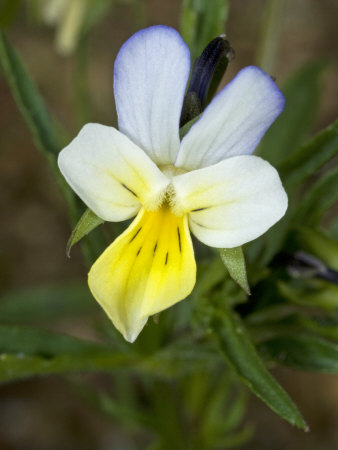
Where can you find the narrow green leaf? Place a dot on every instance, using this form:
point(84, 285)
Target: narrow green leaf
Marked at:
point(270, 327)
point(88, 221)
point(242, 356)
point(20, 366)
point(168, 423)
point(133, 415)
point(310, 157)
point(27, 352)
point(310, 293)
point(302, 351)
point(34, 341)
point(302, 92)
point(318, 243)
point(45, 303)
point(234, 261)
point(235, 439)
point(235, 412)
point(28, 99)
point(16, 367)
point(201, 21)
point(320, 197)
point(34, 112)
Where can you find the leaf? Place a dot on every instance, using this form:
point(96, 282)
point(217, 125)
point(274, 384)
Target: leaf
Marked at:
point(243, 357)
point(16, 367)
point(27, 352)
point(302, 351)
point(302, 93)
point(310, 157)
point(34, 112)
point(33, 341)
point(318, 243)
point(88, 221)
point(201, 21)
point(310, 293)
point(266, 328)
point(45, 303)
point(132, 415)
point(233, 259)
point(236, 439)
point(28, 99)
point(319, 198)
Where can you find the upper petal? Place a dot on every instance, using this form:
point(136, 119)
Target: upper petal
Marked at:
point(232, 202)
point(150, 76)
point(110, 173)
point(234, 122)
point(148, 268)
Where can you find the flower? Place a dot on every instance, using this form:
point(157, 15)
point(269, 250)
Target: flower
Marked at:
point(208, 184)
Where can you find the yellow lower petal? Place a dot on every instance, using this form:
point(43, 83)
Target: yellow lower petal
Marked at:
point(148, 268)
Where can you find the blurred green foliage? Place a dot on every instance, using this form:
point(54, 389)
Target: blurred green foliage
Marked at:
point(200, 355)
point(202, 21)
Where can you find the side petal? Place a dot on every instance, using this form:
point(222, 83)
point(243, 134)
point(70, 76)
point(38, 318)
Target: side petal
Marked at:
point(234, 122)
point(110, 173)
point(150, 76)
point(148, 268)
point(232, 202)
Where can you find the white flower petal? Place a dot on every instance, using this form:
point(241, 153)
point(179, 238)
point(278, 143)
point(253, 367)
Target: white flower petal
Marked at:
point(110, 173)
point(150, 76)
point(234, 122)
point(232, 202)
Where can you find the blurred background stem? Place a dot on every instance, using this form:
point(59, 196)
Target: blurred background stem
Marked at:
point(270, 34)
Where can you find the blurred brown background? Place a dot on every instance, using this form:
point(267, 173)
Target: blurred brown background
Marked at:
point(44, 414)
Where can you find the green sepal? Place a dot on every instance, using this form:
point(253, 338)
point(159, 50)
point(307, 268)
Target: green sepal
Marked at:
point(234, 261)
point(191, 110)
point(184, 130)
point(241, 354)
point(88, 221)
